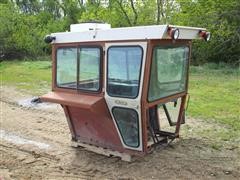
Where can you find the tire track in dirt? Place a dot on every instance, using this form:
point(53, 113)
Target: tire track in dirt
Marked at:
point(23, 163)
point(43, 122)
point(49, 119)
point(189, 158)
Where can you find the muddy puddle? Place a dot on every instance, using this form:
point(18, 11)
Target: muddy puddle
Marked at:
point(35, 102)
point(18, 140)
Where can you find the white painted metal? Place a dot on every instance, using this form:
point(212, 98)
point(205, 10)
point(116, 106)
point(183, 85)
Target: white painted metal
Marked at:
point(126, 33)
point(126, 102)
point(89, 27)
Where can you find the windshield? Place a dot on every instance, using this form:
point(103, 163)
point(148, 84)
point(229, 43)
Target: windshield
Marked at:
point(168, 71)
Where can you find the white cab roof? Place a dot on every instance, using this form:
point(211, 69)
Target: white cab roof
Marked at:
point(126, 33)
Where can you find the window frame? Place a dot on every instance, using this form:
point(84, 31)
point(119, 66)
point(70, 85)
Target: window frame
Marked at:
point(77, 89)
point(138, 134)
point(140, 72)
point(186, 78)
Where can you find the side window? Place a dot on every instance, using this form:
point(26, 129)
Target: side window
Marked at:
point(66, 67)
point(124, 70)
point(168, 71)
point(89, 69)
point(127, 122)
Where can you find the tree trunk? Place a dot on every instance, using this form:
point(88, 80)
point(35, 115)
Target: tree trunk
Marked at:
point(124, 12)
point(135, 12)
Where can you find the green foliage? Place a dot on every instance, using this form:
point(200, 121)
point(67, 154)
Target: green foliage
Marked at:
point(21, 34)
point(222, 19)
point(24, 23)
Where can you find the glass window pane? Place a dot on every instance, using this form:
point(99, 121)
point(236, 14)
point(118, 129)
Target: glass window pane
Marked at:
point(67, 67)
point(127, 122)
point(124, 67)
point(168, 71)
point(89, 69)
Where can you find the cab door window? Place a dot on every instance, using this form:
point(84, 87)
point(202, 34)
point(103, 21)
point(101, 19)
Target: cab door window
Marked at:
point(124, 70)
point(127, 123)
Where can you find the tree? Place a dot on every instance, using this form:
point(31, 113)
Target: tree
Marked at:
point(21, 33)
point(24, 23)
point(222, 19)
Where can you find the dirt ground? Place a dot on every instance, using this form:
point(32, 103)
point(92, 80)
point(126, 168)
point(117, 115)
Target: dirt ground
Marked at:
point(35, 144)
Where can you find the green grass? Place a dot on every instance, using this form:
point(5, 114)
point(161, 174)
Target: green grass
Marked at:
point(31, 76)
point(215, 95)
point(214, 90)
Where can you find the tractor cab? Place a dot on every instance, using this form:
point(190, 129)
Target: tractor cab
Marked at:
point(123, 90)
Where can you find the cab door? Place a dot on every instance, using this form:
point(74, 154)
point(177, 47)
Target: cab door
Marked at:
point(123, 82)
